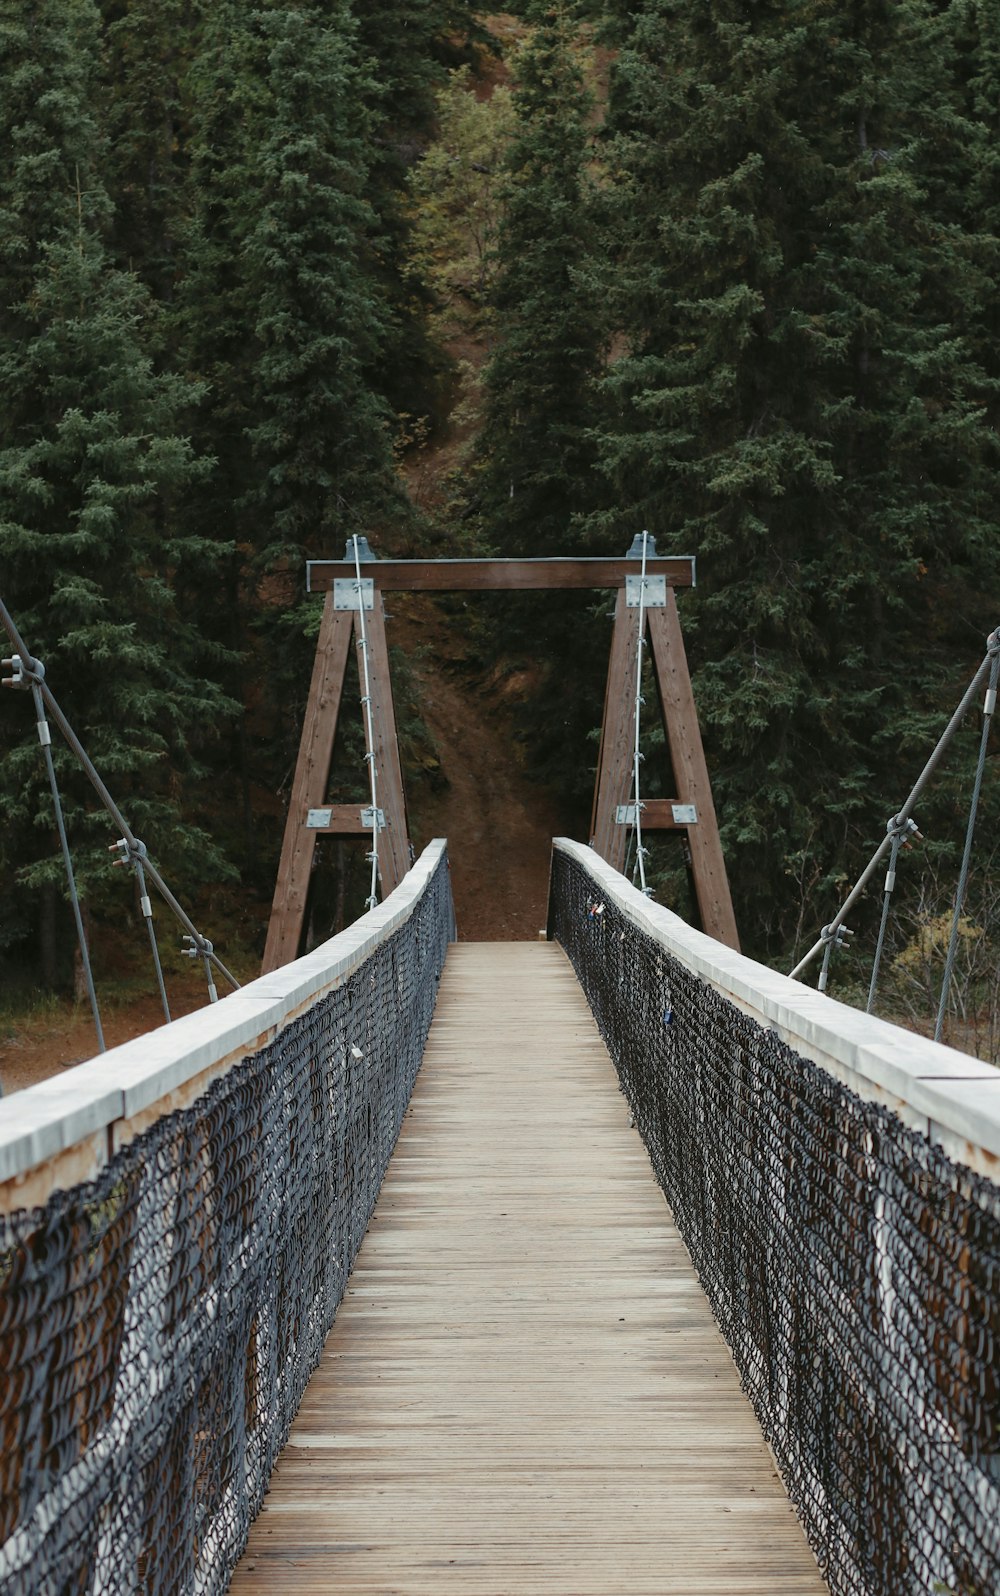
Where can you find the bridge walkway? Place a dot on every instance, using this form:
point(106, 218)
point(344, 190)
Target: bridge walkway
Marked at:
point(524, 1391)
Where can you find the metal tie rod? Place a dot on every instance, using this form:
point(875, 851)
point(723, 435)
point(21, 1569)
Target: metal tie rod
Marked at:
point(203, 945)
point(993, 645)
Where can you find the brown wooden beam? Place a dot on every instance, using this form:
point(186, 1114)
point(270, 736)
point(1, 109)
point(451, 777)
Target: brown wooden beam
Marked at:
point(393, 841)
point(658, 815)
point(708, 866)
point(308, 787)
point(454, 576)
point(615, 758)
point(345, 820)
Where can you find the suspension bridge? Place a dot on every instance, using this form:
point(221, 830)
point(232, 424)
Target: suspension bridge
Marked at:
point(542, 1376)
point(611, 1262)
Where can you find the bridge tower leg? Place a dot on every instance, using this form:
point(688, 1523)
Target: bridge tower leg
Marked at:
point(309, 816)
point(693, 811)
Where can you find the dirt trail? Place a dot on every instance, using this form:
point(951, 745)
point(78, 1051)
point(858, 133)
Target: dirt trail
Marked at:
point(499, 824)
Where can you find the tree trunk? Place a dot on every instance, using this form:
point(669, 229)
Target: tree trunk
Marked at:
point(47, 940)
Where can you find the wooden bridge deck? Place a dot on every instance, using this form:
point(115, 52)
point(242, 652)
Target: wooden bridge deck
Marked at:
point(524, 1391)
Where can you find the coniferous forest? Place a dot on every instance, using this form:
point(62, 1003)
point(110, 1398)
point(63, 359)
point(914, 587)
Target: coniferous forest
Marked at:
point(726, 272)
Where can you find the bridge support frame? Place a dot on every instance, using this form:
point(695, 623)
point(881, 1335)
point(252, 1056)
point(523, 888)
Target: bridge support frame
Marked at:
point(693, 811)
point(309, 816)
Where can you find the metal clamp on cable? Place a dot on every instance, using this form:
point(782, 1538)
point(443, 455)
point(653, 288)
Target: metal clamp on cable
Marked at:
point(201, 948)
point(831, 936)
point(129, 853)
point(25, 672)
point(900, 833)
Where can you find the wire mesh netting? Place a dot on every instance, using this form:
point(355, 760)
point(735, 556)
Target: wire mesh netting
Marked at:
point(159, 1324)
point(852, 1267)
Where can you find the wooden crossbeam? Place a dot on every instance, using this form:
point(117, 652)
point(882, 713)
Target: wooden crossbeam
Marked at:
point(460, 576)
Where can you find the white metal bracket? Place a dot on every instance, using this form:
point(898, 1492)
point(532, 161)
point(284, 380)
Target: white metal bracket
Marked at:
point(656, 592)
point(346, 596)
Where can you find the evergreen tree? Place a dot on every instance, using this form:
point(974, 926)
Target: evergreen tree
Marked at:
point(535, 451)
point(322, 435)
point(403, 44)
point(92, 469)
point(145, 57)
point(793, 403)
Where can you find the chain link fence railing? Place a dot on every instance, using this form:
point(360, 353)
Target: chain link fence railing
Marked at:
point(853, 1268)
point(159, 1324)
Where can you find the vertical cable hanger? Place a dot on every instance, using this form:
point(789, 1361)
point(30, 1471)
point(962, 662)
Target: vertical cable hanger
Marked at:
point(366, 704)
point(989, 710)
point(28, 672)
point(637, 756)
point(32, 673)
point(901, 828)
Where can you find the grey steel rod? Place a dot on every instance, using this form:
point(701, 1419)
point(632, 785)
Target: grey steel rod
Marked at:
point(904, 813)
point(106, 799)
point(44, 737)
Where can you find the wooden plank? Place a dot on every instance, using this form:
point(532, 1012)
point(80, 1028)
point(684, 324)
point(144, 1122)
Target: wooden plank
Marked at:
point(615, 758)
point(454, 576)
point(658, 815)
point(394, 841)
point(524, 1391)
point(345, 821)
point(708, 865)
point(312, 770)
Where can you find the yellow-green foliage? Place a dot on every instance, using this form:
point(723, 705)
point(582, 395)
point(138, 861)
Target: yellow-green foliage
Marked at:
point(457, 200)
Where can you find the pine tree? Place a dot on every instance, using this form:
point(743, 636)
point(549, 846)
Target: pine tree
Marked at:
point(322, 436)
point(792, 402)
point(536, 454)
point(403, 45)
point(93, 468)
point(146, 49)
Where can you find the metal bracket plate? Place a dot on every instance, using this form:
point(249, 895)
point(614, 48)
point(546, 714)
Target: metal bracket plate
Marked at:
point(345, 593)
point(318, 819)
point(656, 592)
point(625, 814)
point(685, 814)
point(373, 819)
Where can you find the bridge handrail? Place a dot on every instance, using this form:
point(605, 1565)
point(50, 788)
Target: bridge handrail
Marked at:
point(160, 1319)
point(819, 1167)
point(953, 1098)
point(65, 1129)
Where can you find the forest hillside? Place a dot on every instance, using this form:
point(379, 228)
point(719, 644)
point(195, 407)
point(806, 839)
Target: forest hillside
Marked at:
point(511, 283)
